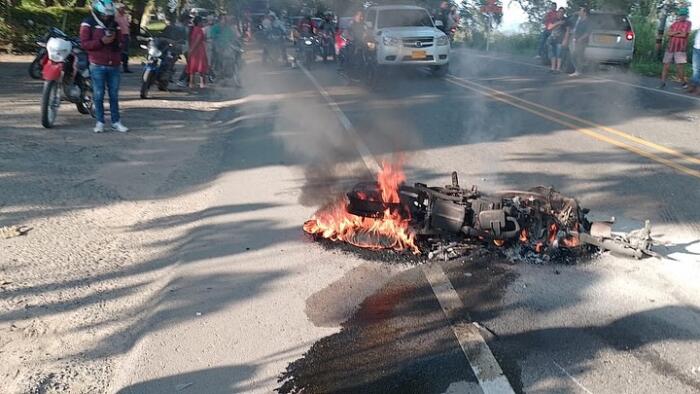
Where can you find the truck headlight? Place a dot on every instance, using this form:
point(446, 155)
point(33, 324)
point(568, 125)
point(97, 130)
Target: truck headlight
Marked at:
point(390, 41)
point(442, 41)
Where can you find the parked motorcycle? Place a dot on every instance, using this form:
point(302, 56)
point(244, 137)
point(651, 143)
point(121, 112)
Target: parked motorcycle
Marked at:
point(160, 66)
point(41, 57)
point(231, 64)
point(66, 75)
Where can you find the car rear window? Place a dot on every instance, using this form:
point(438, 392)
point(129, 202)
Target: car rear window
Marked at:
point(610, 22)
point(404, 18)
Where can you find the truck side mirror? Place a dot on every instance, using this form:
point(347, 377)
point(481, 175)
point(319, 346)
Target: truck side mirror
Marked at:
point(439, 23)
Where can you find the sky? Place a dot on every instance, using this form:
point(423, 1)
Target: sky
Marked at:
point(514, 16)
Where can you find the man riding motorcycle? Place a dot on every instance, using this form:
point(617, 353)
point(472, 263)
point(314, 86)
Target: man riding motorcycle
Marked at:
point(275, 32)
point(351, 53)
point(327, 31)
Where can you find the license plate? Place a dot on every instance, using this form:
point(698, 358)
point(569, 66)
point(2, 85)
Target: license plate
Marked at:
point(607, 40)
point(416, 55)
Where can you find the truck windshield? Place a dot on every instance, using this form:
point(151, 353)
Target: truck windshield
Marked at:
point(403, 18)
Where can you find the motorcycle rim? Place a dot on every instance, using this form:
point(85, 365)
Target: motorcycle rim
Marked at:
point(50, 102)
point(145, 86)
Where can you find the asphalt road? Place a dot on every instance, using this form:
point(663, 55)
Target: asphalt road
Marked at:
point(252, 305)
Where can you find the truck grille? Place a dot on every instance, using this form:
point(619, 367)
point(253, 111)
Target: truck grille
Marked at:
point(417, 42)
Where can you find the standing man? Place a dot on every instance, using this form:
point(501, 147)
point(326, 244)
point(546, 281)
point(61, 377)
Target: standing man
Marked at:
point(549, 19)
point(102, 38)
point(581, 35)
point(122, 19)
point(676, 52)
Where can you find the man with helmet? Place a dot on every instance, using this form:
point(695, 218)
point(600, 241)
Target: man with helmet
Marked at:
point(103, 40)
point(327, 30)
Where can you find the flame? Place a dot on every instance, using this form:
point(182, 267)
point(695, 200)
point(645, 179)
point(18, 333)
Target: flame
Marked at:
point(523, 236)
point(391, 231)
point(552, 234)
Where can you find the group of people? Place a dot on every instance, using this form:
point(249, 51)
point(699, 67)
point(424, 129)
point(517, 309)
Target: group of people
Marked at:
point(203, 43)
point(104, 35)
point(562, 33)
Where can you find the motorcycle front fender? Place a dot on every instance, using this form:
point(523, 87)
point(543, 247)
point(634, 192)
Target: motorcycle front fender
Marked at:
point(52, 71)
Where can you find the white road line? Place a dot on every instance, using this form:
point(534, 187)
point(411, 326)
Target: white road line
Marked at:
point(480, 358)
point(367, 156)
point(483, 363)
point(573, 379)
point(655, 90)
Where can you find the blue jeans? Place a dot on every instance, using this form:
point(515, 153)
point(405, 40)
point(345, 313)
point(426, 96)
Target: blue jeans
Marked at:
point(102, 75)
point(696, 67)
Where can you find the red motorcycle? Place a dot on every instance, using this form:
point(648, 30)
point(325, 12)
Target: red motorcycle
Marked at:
point(66, 75)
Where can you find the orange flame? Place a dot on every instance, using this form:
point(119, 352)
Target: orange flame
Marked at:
point(391, 231)
point(523, 236)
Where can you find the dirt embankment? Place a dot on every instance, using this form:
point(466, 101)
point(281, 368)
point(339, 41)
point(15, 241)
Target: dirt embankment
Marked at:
point(75, 289)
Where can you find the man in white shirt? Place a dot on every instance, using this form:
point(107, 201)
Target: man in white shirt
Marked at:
point(695, 80)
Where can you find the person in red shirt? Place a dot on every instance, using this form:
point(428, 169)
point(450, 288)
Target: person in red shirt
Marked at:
point(677, 49)
point(549, 20)
point(197, 61)
point(122, 19)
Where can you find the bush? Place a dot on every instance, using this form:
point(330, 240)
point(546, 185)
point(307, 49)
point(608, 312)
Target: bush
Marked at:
point(27, 23)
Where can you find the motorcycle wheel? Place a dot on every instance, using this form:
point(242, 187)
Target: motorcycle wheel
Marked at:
point(35, 69)
point(50, 101)
point(145, 86)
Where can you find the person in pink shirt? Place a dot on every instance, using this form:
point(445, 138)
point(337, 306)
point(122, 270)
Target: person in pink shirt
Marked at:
point(122, 19)
point(677, 49)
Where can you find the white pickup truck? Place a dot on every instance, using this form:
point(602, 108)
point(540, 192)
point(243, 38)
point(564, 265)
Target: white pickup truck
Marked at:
point(408, 36)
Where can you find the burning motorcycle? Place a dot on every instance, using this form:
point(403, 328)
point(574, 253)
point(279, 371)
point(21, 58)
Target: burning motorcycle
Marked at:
point(388, 214)
point(160, 66)
point(66, 74)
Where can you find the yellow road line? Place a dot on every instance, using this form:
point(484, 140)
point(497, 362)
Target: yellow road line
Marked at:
point(619, 133)
point(503, 97)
